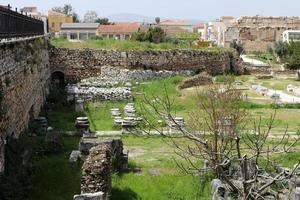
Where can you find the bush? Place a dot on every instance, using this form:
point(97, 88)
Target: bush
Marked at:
point(281, 49)
point(96, 37)
point(154, 35)
point(293, 57)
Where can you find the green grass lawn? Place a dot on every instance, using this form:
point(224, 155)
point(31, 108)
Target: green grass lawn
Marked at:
point(125, 45)
point(170, 183)
point(57, 179)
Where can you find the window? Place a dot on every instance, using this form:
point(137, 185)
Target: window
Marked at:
point(127, 37)
point(52, 24)
point(111, 36)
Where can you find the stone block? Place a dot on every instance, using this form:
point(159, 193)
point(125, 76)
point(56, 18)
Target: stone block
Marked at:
point(90, 196)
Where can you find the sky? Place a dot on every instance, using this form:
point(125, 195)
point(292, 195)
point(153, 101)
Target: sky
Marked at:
point(173, 9)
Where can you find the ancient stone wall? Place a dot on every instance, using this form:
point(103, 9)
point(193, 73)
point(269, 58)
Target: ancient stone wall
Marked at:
point(79, 64)
point(104, 155)
point(257, 33)
point(24, 78)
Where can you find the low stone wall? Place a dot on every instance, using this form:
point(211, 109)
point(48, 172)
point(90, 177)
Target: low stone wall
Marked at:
point(118, 74)
point(78, 64)
point(24, 80)
point(198, 80)
point(104, 155)
point(97, 171)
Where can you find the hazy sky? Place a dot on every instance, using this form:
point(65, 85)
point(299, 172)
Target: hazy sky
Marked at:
point(186, 9)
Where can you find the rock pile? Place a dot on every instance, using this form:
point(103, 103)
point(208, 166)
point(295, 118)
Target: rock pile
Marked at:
point(90, 92)
point(118, 74)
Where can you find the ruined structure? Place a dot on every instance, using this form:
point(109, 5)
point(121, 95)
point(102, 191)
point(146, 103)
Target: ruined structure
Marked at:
point(104, 155)
point(257, 32)
point(78, 64)
point(24, 80)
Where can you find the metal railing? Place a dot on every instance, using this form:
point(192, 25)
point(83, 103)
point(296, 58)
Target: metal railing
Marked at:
point(14, 24)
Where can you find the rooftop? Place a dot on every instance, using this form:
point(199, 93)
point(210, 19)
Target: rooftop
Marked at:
point(120, 28)
point(80, 25)
point(55, 14)
point(200, 25)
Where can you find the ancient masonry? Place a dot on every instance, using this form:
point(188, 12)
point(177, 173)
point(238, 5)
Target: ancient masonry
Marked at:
point(24, 80)
point(257, 33)
point(78, 64)
point(104, 155)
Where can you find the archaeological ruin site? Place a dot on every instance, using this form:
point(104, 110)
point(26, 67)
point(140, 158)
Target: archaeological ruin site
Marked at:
point(96, 109)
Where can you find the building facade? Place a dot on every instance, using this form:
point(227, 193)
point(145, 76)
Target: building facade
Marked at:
point(79, 31)
point(56, 19)
point(259, 32)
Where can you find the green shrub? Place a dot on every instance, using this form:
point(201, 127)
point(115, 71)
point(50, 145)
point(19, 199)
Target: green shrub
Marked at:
point(155, 35)
point(293, 57)
point(281, 49)
point(96, 37)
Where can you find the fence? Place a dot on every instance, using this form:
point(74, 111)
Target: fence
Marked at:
point(14, 24)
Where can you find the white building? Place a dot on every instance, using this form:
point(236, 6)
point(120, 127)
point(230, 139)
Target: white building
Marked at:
point(291, 35)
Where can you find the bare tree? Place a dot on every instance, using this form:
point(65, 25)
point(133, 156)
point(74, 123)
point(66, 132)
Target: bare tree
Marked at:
point(90, 16)
point(217, 134)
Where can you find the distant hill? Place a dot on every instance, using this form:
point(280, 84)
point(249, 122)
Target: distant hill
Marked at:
point(130, 17)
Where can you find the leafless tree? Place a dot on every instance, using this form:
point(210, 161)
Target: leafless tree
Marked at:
point(218, 134)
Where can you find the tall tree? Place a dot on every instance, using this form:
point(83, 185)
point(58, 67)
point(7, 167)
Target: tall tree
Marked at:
point(157, 20)
point(90, 16)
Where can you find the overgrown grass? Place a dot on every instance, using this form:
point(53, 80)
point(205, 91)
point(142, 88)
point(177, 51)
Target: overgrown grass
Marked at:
point(125, 45)
point(57, 178)
point(100, 115)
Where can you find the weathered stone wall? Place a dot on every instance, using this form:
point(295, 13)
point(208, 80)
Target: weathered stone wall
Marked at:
point(97, 171)
point(104, 155)
point(79, 64)
point(24, 75)
point(257, 33)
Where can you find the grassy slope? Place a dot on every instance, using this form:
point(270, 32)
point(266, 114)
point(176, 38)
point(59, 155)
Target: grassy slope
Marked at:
point(123, 45)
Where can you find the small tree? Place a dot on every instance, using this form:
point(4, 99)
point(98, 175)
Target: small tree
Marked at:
point(281, 49)
point(216, 134)
point(90, 16)
point(157, 20)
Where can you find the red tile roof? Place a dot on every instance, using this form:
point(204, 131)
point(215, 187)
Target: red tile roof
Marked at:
point(200, 25)
point(119, 28)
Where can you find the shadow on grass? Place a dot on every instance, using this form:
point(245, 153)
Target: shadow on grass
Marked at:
point(124, 194)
